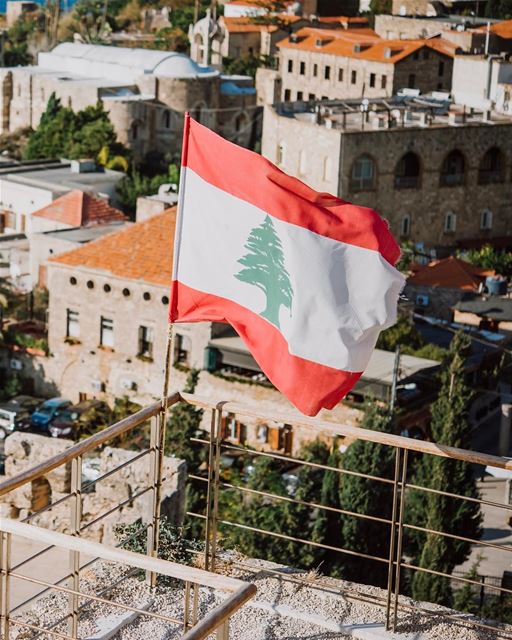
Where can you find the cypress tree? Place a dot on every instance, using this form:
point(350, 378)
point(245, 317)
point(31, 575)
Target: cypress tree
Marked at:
point(300, 520)
point(368, 497)
point(327, 527)
point(449, 426)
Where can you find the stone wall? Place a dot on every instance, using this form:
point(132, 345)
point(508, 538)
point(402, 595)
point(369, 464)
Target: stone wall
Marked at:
point(25, 450)
point(440, 301)
point(429, 203)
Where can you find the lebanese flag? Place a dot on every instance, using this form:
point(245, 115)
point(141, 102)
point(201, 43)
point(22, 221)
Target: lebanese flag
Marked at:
point(306, 279)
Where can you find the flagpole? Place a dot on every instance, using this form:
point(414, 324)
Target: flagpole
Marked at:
point(159, 441)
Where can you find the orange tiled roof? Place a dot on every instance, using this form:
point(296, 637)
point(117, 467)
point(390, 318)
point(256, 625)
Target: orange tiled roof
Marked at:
point(450, 273)
point(79, 209)
point(502, 29)
point(142, 251)
point(345, 20)
point(362, 43)
point(246, 24)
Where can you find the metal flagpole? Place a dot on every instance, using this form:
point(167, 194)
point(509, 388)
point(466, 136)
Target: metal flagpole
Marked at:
point(161, 422)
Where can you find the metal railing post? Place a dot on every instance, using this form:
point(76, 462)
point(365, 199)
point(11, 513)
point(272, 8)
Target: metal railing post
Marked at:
point(74, 556)
point(155, 510)
point(223, 631)
point(186, 608)
point(391, 565)
point(5, 567)
point(216, 486)
point(209, 494)
point(400, 536)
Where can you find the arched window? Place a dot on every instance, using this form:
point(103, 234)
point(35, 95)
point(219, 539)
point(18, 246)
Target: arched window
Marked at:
point(450, 222)
point(363, 174)
point(452, 170)
point(135, 130)
point(405, 225)
point(491, 167)
point(486, 220)
point(166, 119)
point(407, 172)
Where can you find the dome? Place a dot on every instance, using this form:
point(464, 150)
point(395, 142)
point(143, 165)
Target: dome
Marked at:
point(178, 65)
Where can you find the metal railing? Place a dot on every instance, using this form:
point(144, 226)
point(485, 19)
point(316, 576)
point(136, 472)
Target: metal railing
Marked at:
point(217, 527)
point(216, 620)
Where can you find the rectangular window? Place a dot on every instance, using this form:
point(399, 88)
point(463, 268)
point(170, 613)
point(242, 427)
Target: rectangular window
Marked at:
point(315, 70)
point(290, 66)
point(426, 54)
point(311, 96)
point(300, 95)
point(145, 348)
point(372, 79)
point(107, 332)
point(486, 220)
point(182, 350)
point(72, 324)
point(440, 69)
point(353, 77)
point(327, 72)
point(383, 82)
point(287, 95)
point(412, 81)
point(340, 75)
point(302, 69)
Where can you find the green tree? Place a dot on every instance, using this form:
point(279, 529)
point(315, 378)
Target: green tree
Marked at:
point(259, 512)
point(367, 497)
point(411, 342)
point(380, 6)
point(51, 138)
point(264, 268)
point(327, 526)
point(449, 426)
point(136, 185)
point(464, 599)
point(300, 520)
point(489, 258)
point(185, 423)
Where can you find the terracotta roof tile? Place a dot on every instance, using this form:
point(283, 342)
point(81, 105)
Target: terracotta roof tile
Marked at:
point(362, 43)
point(450, 273)
point(79, 209)
point(142, 251)
point(502, 29)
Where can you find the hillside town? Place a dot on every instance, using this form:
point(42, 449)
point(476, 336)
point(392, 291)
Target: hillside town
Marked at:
point(400, 107)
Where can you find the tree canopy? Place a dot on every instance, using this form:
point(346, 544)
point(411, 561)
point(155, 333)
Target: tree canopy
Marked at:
point(62, 133)
point(489, 258)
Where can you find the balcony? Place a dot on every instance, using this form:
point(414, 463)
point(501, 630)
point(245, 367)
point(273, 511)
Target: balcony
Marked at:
point(222, 588)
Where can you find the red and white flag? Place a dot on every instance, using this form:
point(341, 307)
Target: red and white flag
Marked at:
point(306, 279)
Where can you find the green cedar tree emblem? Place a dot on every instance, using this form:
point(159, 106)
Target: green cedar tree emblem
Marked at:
point(264, 268)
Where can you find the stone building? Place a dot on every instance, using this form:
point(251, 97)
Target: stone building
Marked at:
point(146, 93)
point(468, 33)
point(441, 175)
point(354, 63)
point(107, 336)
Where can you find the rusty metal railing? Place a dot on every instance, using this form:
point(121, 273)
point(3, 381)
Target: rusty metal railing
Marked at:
point(216, 525)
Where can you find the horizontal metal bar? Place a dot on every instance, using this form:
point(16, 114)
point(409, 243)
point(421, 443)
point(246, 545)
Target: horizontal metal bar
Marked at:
point(305, 463)
point(47, 508)
point(450, 576)
point(313, 505)
point(122, 556)
point(32, 557)
point(84, 446)
point(355, 433)
point(89, 596)
point(40, 629)
point(453, 536)
point(439, 492)
point(115, 470)
point(313, 544)
point(116, 508)
point(456, 618)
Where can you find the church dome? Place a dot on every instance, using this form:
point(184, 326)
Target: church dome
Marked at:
point(178, 65)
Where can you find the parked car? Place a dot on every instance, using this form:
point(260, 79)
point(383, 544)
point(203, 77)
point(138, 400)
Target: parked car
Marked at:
point(42, 417)
point(79, 420)
point(15, 414)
